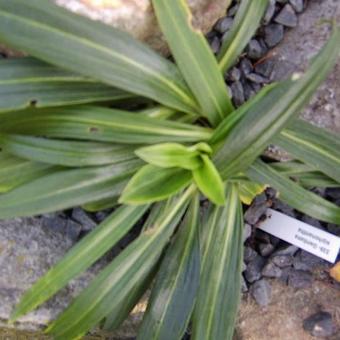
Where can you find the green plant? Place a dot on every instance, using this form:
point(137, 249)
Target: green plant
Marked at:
point(58, 153)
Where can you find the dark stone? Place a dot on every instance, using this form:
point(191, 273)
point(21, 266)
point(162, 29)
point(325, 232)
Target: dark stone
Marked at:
point(270, 270)
point(266, 69)
point(73, 230)
point(232, 11)
point(256, 87)
point(102, 215)
point(286, 250)
point(299, 279)
point(246, 232)
point(249, 254)
point(254, 49)
point(244, 287)
point(223, 24)
point(273, 34)
point(266, 249)
point(333, 193)
point(54, 222)
point(307, 262)
point(248, 89)
point(285, 274)
point(261, 292)
point(215, 44)
point(246, 66)
point(268, 16)
point(320, 325)
point(282, 260)
point(297, 5)
point(238, 93)
point(262, 236)
point(334, 229)
point(284, 208)
point(287, 17)
point(256, 78)
point(256, 210)
point(234, 74)
point(80, 216)
point(254, 268)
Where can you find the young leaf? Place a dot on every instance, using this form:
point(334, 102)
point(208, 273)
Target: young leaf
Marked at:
point(194, 58)
point(66, 153)
point(116, 282)
point(294, 195)
point(65, 189)
point(174, 292)
point(263, 121)
point(245, 24)
point(100, 124)
point(168, 155)
point(312, 145)
point(209, 182)
point(26, 82)
point(80, 257)
point(152, 184)
point(249, 190)
point(220, 284)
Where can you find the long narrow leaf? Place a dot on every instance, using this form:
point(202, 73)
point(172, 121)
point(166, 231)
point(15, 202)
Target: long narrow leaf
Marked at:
point(80, 257)
point(220, 284)
point(272, 113)
point(100, 124)
point(313, 146)
point(26, 82)
point(294, 195)
point(245, 24)
point(88, 47)
point(194, 58)
point(66, 153)
point(16, 171)
point(112, 286)
point(65, 189)
point(174, 292)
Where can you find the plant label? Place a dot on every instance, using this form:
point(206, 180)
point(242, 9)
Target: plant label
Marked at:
point(302, 235)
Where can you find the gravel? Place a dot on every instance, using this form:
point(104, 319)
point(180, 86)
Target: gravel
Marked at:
point(254, 269)
point(271, 270)
point(282, 261)
point(273, 34)
point(261, 292)
point(287, 17)
point(299, 279)
point(320, 325)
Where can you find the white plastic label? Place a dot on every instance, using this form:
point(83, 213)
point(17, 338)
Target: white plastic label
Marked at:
point(302, 235)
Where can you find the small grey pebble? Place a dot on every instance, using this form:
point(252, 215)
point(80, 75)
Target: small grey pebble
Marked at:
point(248, 89)
point(261, 292)
point(80, 216)
point(265, 69)
point(334, 229)
point(268, 16)
point(307, 262)
point(254, 212)
point(244, 287)
point(297, 5)
point(256, 78)
point(287, 17)
point(285, 274)
point(256, 87)
point(270, 270)
point(262, 236)
point(238, 93)
point(299, 279)
point(73, 230)
point(282, 260)
point(232, 11)
point(254, 49)
point(286, 250)
point(246, 66)
point(284, 208)
point(215, 45)
point(234, 74)
point(320, 325)
point(273, 34)
point(54, 222)
point(266, 249)
point(246, 232)
point(333, 193)
point(223, 25)
point(254, 268)
point(249, 254)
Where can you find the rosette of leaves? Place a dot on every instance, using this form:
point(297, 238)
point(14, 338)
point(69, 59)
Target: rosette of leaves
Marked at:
point(96, 119)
